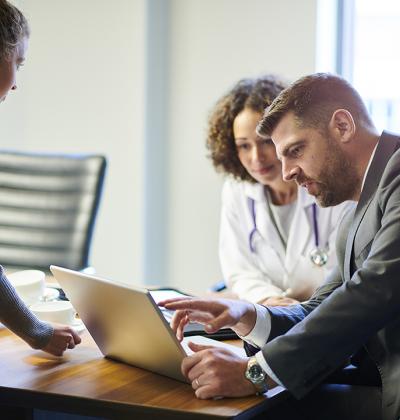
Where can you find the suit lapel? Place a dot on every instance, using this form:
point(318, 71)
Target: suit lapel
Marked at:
point(386, 147)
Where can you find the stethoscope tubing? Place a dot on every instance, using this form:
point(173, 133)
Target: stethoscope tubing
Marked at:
point(315, 225)
point(253, 231)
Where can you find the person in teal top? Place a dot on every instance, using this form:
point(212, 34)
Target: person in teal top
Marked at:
point(14, 314)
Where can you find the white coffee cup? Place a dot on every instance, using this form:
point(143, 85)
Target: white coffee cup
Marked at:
point(29, 284)
point(58, 311)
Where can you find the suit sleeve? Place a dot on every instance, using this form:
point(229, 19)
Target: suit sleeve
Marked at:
point(353, 312)
point(282, 318)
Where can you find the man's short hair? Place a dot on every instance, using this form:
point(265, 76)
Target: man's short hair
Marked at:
point(313, 99)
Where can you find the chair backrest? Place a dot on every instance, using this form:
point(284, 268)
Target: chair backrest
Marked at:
point(48, 206)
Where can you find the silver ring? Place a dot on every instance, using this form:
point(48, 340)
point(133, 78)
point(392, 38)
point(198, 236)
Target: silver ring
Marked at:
point(196, 381)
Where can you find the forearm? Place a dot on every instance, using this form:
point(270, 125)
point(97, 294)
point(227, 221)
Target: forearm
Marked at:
point(15, 315)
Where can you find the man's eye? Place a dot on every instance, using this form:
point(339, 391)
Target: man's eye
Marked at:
point(296, 151)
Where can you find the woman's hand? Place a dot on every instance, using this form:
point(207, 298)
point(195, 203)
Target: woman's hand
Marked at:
point(63, 338)
point(213, 313)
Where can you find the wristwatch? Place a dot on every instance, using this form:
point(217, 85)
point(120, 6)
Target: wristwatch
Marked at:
point(256, 375)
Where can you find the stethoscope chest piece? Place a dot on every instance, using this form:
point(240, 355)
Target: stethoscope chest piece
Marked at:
point(319, 257)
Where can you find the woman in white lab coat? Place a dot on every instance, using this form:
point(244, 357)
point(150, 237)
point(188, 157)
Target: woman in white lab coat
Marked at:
point(276, 244)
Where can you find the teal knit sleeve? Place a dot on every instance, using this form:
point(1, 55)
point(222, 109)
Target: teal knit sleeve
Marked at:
point(16, 316)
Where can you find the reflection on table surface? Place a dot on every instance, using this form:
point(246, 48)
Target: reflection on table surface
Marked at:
point(83, 381)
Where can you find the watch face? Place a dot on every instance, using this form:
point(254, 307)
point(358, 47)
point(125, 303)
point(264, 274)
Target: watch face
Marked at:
point(255, 372)
point(256, 376)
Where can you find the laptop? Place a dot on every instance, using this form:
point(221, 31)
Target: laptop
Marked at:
point(126, 323)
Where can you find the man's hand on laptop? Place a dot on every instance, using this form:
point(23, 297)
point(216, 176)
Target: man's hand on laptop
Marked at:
point(214, 314)
point(63, 338)
point(216, 372)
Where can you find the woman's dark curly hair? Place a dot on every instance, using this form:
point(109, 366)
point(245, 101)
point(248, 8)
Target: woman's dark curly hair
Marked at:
point(13, 28)
point(255, 94)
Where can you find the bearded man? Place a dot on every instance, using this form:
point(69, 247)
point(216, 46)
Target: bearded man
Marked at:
point(328, 144)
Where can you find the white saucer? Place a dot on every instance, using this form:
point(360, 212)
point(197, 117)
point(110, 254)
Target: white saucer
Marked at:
point(50, 294)
point(78, 325)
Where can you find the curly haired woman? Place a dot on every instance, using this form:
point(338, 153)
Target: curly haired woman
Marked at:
point(276, 245)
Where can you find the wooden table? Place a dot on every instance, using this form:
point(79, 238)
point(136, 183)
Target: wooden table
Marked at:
point(84, 382)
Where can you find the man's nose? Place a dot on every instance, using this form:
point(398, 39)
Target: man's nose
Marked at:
point(289, 172)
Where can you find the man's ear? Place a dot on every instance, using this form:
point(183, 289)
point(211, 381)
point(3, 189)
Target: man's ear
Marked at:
point(342, 126)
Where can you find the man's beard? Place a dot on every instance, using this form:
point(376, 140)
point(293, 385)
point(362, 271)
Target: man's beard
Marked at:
point(338, 180)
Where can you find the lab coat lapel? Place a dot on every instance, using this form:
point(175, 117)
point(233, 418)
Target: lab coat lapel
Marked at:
point(265, 226)
point(300, 229)
point(385, 149)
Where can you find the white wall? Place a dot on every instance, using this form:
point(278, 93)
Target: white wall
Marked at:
point(213, 43)
point(83, 90)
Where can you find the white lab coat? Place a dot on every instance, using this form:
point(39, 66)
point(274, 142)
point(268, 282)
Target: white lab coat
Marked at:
point(270, 270)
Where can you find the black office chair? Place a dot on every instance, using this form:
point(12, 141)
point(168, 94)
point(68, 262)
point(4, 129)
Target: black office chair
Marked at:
point(48, 206)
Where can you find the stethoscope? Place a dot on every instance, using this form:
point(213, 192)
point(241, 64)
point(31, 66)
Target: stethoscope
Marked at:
point(318, 255)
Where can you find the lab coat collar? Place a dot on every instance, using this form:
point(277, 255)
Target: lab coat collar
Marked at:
point(304, 198)
point(256, 193)
point(300, 229)
point(265, 226)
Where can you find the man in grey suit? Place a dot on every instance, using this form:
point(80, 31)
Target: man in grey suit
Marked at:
point(329, 145)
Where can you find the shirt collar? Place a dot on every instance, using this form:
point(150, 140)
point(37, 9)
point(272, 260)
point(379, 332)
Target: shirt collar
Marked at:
point(369, 164)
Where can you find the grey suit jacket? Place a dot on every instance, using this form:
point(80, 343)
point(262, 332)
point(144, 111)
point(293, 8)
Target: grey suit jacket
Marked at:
point(358, 308)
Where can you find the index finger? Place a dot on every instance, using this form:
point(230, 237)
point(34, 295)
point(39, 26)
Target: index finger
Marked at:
point(172, 300)
point(189, 362)
point(74, 338)
point(77, 339)
point(193, 304)
point(71, 343)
